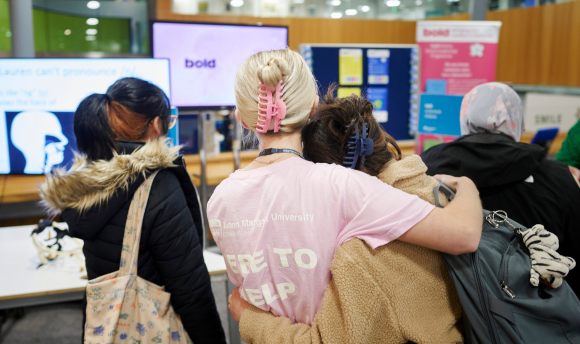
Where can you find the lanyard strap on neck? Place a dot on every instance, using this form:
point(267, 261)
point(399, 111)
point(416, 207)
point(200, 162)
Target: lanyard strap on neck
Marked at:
point(270, 151)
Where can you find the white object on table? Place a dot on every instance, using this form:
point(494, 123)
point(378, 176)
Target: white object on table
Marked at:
point(21, 279)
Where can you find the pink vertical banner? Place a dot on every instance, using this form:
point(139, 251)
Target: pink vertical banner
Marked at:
point(457, 55)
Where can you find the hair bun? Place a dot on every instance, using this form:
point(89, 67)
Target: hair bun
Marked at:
point(273, 71)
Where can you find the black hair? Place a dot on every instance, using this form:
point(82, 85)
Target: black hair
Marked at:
point(102, 119)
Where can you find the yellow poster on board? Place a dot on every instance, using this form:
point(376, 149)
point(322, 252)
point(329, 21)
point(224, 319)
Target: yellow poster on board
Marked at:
point(350, 66)
point(344, 92)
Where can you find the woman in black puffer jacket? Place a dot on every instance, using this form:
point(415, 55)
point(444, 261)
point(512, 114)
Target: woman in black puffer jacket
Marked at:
point(93, 197)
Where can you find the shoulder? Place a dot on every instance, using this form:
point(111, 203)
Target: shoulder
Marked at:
point(165, 181)
point(433, 152)
point(165, 187)
point(167, 209)
point(553, 167)
point(336, 178)
point(575, 131)
point(553, 179)
point(331, 175)
point(558, 173)
point(329, 170)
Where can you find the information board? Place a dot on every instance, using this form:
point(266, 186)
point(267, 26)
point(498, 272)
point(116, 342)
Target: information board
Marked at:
point(387, 75)
point(457, 55)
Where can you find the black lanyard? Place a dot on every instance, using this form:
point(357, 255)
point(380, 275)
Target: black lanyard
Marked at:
point(270, 151)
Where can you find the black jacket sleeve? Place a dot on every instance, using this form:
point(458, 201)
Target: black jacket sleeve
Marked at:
point(570, 245)
point(178, 255)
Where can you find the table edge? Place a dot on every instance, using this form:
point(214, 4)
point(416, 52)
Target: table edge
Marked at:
point(218, 272)
point(42, 293)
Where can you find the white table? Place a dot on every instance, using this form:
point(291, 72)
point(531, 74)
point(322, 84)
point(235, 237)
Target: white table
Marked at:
point(23, 284)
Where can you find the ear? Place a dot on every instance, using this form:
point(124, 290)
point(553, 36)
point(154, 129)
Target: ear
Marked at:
point(237, 114)
point(155, 128)
point(314, 107)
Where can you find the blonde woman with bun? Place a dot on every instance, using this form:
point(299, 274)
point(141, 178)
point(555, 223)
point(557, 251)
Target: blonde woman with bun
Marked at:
point(401, 292)
point(279, 221)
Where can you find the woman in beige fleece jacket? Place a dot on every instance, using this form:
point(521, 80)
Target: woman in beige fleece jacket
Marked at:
point(397, 293)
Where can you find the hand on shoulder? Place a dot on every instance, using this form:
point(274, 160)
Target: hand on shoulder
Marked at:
point(236, 304)
point(454, 183)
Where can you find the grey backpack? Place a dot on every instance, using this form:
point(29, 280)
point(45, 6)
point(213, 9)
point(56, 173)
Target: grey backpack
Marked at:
point(499, 303)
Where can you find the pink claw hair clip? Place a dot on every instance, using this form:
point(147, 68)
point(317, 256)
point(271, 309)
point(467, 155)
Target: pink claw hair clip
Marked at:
point(270, 104)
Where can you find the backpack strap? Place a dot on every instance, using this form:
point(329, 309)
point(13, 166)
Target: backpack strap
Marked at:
point(445, 190)
point(132, 236)
point(500, 308)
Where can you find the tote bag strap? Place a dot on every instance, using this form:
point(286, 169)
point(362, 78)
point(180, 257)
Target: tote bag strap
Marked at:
point(132, 236)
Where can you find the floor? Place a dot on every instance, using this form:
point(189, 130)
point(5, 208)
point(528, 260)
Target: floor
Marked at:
point(62, 323)
point(48, 324)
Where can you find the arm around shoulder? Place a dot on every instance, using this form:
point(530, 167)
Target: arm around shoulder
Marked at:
point(455, 229)
point(258, 326)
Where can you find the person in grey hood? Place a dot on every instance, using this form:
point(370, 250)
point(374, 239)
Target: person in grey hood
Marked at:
point(510, 175)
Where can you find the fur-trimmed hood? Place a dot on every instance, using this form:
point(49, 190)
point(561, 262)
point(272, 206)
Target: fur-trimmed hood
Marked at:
point(87, 184)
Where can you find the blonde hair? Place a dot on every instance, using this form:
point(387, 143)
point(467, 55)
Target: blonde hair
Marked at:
point(269, 67)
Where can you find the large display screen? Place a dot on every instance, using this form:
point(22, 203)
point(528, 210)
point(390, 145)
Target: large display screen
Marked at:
point(204, 58)
point(387, 75)
point(38, 98)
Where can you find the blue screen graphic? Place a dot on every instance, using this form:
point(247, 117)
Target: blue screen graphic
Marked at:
point(39, 141)
point(38, 99)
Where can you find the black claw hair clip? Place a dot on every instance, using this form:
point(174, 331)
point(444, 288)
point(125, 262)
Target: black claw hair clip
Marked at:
point(358, 145)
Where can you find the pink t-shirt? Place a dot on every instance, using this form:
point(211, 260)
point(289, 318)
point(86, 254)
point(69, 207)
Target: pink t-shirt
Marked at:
point(278, 228)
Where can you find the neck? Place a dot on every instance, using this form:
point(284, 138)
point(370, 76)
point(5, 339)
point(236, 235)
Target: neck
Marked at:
point(290, 141)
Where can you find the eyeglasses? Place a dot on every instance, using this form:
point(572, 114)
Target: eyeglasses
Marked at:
point(172, 121)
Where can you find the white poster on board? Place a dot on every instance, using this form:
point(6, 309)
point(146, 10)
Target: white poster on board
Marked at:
point(550, 111)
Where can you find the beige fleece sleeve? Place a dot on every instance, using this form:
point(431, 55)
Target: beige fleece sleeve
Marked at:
point(409, 175)
point(258, 326)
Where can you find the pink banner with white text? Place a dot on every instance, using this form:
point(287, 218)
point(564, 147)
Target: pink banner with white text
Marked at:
point(457, 55)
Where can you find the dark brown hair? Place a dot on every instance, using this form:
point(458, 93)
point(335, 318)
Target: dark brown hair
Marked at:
point(123, 113)
point(325, 137)
point(127, 125)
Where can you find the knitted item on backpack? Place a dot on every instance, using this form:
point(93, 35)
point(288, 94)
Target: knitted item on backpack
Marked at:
point(547, 264)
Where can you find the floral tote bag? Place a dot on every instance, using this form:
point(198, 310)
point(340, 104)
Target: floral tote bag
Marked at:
point(123, 308)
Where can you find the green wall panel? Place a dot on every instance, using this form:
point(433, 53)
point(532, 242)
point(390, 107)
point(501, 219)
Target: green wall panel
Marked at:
point(55, 32)
point(64, 33)
point(5, 43)
point(40, 27)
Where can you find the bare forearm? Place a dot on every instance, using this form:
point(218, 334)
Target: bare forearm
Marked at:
point(455, 229)
point(467, 206)
point(467, 212)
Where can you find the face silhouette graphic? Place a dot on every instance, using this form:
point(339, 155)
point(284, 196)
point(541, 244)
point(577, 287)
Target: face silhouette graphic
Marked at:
point(38, 136)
